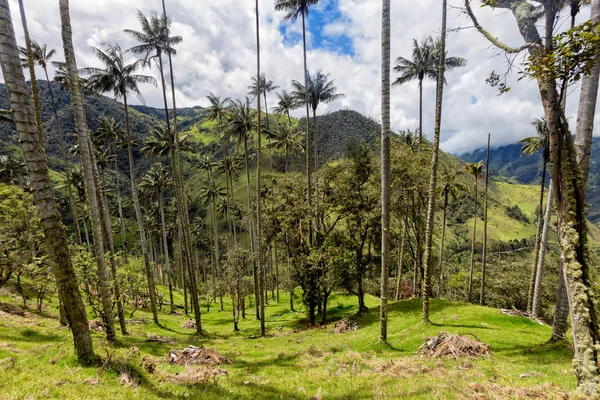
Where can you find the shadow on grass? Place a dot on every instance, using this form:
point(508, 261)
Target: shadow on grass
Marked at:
point(30, 336)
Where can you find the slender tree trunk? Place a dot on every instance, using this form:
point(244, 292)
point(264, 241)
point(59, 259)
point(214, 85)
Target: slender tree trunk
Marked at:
point(485, 211)
point(307, 144)
point(561, 309)
point(120, 208)
point(251, 227)
point(535, 305)
point(434, 167)
point(86, 161)
point(259, 250)
point(43, 192)
point(87, 235)
point(31, 66)
point(473, 245)
point(442, 244)
point(385, 166)
point(163, 226)
point(138, 216)
point(538, 233)
point(401, 244)
point(420, 113)
point(276, 269)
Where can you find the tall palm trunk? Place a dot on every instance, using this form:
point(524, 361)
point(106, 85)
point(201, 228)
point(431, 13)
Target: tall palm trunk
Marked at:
point(43, 191)
point(401, 243)
point(216, 242)
point(385, 165)
point(86, 161)
point(163, 226)
point(307, 144)
point(536, 251)
point(485, 221)
point(183, 220)
point(31, 66)
point(473, 245)
point(420, 112)
point(442, 243)
point(434, 168)
point(251, 226)
point(583, 143)
point(535, 305)
point(259, 250)
point(138, 215)
point(120, 209)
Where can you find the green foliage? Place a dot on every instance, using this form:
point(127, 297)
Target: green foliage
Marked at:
point(516, 213)
point(574, 55)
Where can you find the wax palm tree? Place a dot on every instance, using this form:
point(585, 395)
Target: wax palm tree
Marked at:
point(158, 181)
point(217, 108)
point(285, 103)
point(294, 9)
point(120, 78)
point(531, 146)
point(473, 169)
point(262, 87)
point(159, 143)
point(450, 188)
point(286, 138)
point(320, 90)
point(228, 166)
point(29, 62)
point(424, 64)
point(61, 78)
point(43, 191)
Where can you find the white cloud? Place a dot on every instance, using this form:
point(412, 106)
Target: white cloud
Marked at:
point(218, 55)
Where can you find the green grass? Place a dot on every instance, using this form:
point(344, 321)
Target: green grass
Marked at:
point(36, 356)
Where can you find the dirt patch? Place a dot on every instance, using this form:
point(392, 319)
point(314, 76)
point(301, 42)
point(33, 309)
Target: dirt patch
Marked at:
point(406, 369)
point(450, 345)
point(202, 375)
point(189, 325)
point(345, 326)
point(10, 309)
point(196, 355)
point(96, 325)
point(160, 339)
point(518, 313)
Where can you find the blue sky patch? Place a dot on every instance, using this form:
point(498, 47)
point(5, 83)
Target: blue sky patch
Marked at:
point(327, 12)
point(474, 100)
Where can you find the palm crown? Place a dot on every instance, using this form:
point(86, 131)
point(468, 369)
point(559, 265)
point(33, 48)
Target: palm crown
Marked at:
point(262, 86)
point(320, 90)
point(116, 76)
point(39, 52)
point(154, 36)
point(294, 8)
point(533, 144)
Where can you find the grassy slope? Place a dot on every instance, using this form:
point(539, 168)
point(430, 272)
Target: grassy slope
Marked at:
point(295, 363)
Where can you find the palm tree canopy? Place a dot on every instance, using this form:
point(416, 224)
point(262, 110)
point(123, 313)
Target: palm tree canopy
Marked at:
point(424, 62)
point(294, 8)
point(286, 102)
point(533, 144)
point(212, 191)
point(109, 130)
point(154, 36)
point(217, 108)
point(239, 121)
point(262, 86)
point(116, 76)
point(156, 180)
point(286, 138)
point(450, 185)
point(320, 90)
point(39, 52)
point(10, 169)
point(474, 169)
point(229, 164)
point(159, 143)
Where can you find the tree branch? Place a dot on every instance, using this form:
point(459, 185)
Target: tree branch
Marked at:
point(492, 39)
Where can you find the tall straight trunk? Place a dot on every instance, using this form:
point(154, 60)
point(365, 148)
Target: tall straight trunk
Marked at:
point(316, 166)
point(434, 167)
point(583, 142)
point(216, 242)
point(251, 226)
point(163, 226)
point(259, 251)
point(587, 109)
point(120, 208)
point(535, 305)
point(86, 161)
point(61, 142)
point(385, 166)
point(184, 222)
point(86, 233)
point(276, 269)
point(473, 245)
point(561, 309)
point(420, 113)
point(43, 191)
point(307, 144)
point(31, 66)
point(485, 221)
point(139, 217)
point(401, 243)
point(441, 262)
point(538, 233)
point(108, 238)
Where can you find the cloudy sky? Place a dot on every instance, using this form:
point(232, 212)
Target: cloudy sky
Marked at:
point(218, 55)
